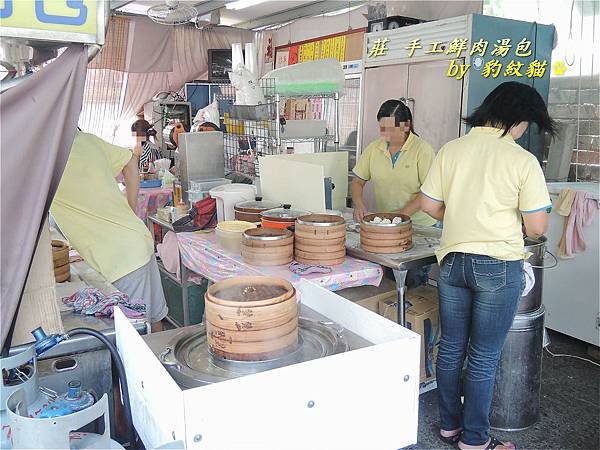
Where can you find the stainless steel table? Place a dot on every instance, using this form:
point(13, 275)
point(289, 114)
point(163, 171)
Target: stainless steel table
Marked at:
point(183, 272)
point(425, 241)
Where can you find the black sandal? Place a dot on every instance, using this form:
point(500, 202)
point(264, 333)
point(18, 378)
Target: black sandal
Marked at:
point(495, 443)
point(451, 440)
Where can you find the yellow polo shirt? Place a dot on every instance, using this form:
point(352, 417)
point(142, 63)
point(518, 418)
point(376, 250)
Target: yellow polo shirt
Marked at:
point(486, 182)
point(94, 215)
point(397, 183)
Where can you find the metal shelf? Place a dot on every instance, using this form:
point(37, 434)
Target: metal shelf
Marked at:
point(302, 97)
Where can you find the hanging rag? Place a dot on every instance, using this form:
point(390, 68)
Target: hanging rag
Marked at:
point(529, 278)
point(305, 269)
point(583, 210)
point(92, 302)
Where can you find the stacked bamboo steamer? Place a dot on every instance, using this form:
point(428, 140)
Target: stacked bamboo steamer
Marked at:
point(320, 239)
point(267, 247)
point(386, 238)
point(60, 256)
point(251, 318)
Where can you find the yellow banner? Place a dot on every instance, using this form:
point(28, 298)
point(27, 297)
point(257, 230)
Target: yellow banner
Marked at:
point(73, 16)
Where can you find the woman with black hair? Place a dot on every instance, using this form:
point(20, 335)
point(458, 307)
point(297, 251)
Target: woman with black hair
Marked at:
point(396, 163)
point(143, 131)
point(483, 185)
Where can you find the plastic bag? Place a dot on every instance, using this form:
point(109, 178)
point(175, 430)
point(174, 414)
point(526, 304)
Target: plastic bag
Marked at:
point(247, 88)
point(209, 113)
point(324, 76)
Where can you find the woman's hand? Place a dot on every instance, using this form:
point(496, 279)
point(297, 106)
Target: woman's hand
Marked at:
point(359, 212)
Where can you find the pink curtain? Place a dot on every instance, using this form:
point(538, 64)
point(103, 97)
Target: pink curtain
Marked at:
point(179, 56)
point(190, 62)
point(39, 119)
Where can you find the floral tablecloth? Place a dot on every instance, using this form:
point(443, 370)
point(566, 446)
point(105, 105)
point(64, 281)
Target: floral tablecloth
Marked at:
point(150, 199)
point(201, 253)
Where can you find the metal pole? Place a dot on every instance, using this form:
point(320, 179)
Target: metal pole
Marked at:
point(277, 125)
point(337, 121)
point(400, 276)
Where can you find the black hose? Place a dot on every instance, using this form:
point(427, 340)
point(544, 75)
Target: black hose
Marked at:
point(121, 373)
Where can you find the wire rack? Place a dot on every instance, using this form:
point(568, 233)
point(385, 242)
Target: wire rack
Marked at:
point(255, 131)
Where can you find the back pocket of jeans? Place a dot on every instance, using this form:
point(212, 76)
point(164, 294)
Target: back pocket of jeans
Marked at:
point(446, 266)
point(490, 274)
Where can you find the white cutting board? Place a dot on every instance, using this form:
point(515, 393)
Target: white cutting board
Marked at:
point(299, 184)
point(298, 178)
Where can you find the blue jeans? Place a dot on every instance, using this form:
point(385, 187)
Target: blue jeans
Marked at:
point(478, 302)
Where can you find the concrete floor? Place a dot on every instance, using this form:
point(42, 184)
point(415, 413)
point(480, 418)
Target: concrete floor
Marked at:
point(570, 411)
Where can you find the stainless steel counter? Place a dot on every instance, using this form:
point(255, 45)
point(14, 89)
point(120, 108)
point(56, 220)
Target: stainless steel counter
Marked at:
point(159, 341)
point(425, 241)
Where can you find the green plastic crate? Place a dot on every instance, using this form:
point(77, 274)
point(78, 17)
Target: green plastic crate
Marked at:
point(173, 296)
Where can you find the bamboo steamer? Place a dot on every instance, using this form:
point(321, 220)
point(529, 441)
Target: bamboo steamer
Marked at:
point(251, 318)
point(377, 228)
point(268, 247)
point(320, 239)
point(260, 351)
point(239, 318)
point(267, 260)
point(62, 273)
point(60, 257)
point(386, 238)
point(320, 255)
point(321, 261)
point(267, 238)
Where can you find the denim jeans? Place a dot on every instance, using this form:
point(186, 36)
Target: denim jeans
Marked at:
point(478, 302)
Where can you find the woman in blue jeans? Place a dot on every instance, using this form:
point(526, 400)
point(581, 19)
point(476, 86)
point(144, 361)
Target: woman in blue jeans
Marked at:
point(483, 186)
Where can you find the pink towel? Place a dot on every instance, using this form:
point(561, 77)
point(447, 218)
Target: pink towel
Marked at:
point(168, 252)
point(583, 211)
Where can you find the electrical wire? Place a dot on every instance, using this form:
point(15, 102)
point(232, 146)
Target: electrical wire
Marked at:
point(571, 356)
point(121, 373)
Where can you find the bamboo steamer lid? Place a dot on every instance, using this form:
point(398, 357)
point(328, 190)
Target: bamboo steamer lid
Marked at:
point(267, 237)
point(251, 318)
point(320, 220)
point(250, 291)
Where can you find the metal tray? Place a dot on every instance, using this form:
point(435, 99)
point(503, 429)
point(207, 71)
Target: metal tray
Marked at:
point(191, 364)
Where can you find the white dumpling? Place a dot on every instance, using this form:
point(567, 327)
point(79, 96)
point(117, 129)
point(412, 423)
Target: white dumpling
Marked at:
point(376, 220)
point(386, 222)
point(397, 220)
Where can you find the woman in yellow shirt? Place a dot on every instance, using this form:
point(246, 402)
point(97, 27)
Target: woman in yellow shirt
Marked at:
point(482, 185)
point(396, 163)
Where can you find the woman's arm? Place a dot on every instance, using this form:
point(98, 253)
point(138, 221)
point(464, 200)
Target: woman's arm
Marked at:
point(132, 181)
point(360, 209)
point(412, 207)
point(434, 208)
point(536, 223)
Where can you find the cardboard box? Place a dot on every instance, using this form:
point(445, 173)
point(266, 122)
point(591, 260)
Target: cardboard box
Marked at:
point(422, 317)
point(369, 296)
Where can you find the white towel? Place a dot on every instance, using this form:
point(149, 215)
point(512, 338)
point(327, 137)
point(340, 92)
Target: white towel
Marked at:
point(529, 278)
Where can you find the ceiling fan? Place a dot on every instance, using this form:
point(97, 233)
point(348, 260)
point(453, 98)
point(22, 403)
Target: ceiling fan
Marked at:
point(172, 12)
